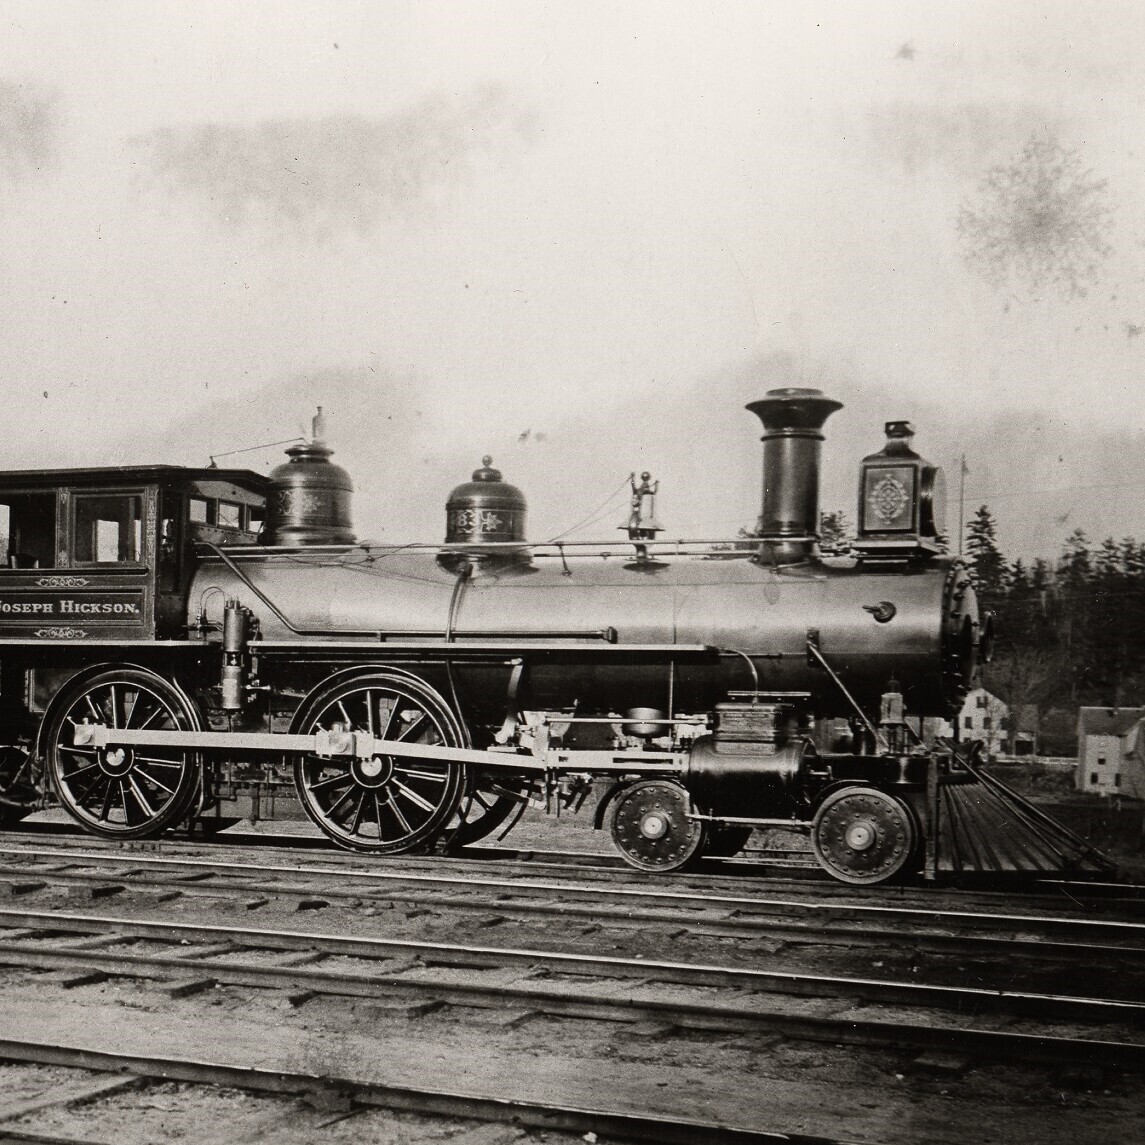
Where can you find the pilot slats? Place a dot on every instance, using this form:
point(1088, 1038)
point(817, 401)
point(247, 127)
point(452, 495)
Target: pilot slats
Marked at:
point(985, 827)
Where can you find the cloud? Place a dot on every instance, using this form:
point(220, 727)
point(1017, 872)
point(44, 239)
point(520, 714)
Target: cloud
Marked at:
point(315, 178)
point(30, 123)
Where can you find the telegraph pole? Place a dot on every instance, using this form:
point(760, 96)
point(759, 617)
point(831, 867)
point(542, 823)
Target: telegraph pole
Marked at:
point(961, 500)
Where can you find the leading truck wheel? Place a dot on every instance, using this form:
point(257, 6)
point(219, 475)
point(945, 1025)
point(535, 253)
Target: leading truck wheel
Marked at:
point(651, 828)
point(862, 835)
point(122, 792)
point(387, 803)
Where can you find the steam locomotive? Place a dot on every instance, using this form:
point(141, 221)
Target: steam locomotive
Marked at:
point(171, 637)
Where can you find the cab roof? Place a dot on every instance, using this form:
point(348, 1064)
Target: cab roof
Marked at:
point(104, 475)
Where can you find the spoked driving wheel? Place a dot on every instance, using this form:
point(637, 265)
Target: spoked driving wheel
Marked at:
point(863, 835)
point(387, 803)
point(651, 828)
point(122, 792)
point(487, 807)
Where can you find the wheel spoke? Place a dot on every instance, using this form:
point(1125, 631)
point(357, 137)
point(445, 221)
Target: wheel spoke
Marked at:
point(151, 778)
point(385, 732)
point(405, 824)
point(416, 799)
point(106, 808)
point(80, 770)
point(416, 723)
point(100, 718)
point(71, 748)
point(340, 800)
point(358, 814)
point(140, 798)
point(417, 773)
point(342, 777)
point(156, 761)
point(115, 716)
point(158, 710)
point(81, 797)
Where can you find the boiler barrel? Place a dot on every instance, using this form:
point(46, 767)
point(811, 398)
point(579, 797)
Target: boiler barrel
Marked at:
point(913, 624)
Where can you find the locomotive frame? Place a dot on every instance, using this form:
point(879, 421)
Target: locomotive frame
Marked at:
point(171, 635)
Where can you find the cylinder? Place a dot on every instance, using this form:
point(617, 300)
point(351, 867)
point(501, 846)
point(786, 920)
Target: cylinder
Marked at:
point(792, 422)
point(755, 781)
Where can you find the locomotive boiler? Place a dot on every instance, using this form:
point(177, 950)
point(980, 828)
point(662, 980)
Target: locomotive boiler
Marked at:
point(200, 630)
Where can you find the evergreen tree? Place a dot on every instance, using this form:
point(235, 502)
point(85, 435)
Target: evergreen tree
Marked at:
point(1074, 614)
point(987, 565)
point(835, 533)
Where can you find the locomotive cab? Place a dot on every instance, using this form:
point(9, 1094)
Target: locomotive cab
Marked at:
point(105, 553)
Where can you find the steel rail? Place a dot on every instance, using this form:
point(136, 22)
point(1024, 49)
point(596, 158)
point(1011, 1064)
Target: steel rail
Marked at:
point(607, 866)
point(576, 1003)
point(456, 1103)
point(809, 932)
point(858, 911)
point(453, 955)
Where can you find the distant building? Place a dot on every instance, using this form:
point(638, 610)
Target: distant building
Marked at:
point(1111, 751)
point(985, 717)
point(1025, 730)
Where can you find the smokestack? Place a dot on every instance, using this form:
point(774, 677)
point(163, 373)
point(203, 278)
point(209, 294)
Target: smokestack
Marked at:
point(792, 431)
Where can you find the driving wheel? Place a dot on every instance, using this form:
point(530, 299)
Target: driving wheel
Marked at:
point(122, 792)
point(491, 802)
point(387, 803)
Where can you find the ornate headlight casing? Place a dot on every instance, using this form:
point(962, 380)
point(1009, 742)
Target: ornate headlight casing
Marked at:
point(902, 499)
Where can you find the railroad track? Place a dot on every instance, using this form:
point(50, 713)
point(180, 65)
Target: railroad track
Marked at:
point(197, 957)
point(98, 1075)
point(606, 868)
point(860, 925)
point(426, 989)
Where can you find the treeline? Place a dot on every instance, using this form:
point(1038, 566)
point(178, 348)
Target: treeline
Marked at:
point(1069, 630)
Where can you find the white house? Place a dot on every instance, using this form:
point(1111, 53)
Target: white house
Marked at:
point(984, 717)
point(1111, 751)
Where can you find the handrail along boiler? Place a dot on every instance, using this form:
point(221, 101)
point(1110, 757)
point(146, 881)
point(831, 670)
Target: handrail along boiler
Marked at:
point(171, 636)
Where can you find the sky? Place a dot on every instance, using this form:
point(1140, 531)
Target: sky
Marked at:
point(580, 236)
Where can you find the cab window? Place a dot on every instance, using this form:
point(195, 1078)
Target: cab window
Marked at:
point(108, 529)
point(28, 531)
